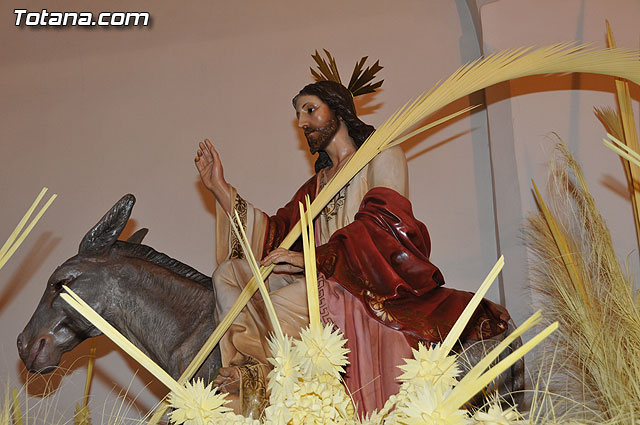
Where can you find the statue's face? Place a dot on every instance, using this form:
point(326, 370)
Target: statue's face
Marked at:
point(317, 120)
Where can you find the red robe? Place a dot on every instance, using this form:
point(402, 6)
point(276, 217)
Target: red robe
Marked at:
point(382, 258)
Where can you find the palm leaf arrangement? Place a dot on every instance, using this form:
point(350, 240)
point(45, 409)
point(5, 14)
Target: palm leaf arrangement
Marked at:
point(584, 288)
point(305, 383)
point(305, 391)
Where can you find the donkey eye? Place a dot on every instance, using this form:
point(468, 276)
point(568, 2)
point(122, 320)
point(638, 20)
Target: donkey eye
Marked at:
point(58, 285)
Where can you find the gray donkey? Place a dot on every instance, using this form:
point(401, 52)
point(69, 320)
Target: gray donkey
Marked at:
point(166, 308)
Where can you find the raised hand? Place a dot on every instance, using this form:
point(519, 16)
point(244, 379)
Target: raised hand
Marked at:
point(211, 173)
point(209, 166)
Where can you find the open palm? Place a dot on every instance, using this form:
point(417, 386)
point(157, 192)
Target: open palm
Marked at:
point(209, 166)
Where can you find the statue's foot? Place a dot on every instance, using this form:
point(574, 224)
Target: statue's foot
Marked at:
point(228, 380)
point(246, 387)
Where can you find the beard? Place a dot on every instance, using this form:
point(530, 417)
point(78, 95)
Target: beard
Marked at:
point(319, 138)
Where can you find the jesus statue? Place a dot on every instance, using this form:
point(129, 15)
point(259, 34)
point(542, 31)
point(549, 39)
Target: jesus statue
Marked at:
point(376, 282)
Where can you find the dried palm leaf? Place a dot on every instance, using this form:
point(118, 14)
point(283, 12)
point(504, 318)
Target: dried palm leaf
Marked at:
point(611, 120)
point(5, 411)
point(114, 335)
point(82, 415)
point(621, 149)
point(255, 269)
point(468, 311)
point(16, 410)
point(599, 337)
point(621, 124)
point(16, 238)
point(311, 275)
point(624, 105)
point(565, 249)
point(469, 386)
point(5, 415)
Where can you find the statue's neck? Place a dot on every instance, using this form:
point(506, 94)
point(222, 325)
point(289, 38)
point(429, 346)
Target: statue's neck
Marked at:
point(340, 149)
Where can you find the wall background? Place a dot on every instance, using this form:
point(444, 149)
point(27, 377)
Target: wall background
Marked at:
point(94, 114)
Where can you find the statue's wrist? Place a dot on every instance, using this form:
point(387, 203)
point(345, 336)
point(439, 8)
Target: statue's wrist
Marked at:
point(222, 192)
point(220, 187)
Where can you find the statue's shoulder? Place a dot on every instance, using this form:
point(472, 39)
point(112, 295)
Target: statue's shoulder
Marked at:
point(389, 169)
point(391, 157)
point(308, 188)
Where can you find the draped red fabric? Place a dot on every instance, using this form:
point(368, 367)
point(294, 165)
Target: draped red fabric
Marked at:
point(279, 225)
point(382, 258)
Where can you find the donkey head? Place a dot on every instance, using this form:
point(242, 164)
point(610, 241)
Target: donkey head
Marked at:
point(55, 327)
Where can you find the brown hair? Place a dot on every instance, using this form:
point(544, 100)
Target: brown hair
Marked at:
point(340, 101)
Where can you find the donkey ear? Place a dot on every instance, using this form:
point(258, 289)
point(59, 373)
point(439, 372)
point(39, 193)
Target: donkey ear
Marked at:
point(106, 232)
point(138, 236)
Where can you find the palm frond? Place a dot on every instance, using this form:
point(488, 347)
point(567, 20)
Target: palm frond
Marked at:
point(16, 238)
point(255, 269)
point(82, 415)
point(622, 150)
point(625, 131)
point(630, 134)
point(114, 335)
point(611, 120)
point(311, 275)
point(468, 311)
point(16, 410)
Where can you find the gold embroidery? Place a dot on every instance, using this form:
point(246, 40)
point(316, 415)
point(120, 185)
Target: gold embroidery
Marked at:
point(253, 389)
point(324, 310)
point(331, 210)
point(240, 205)
point(377, 306)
